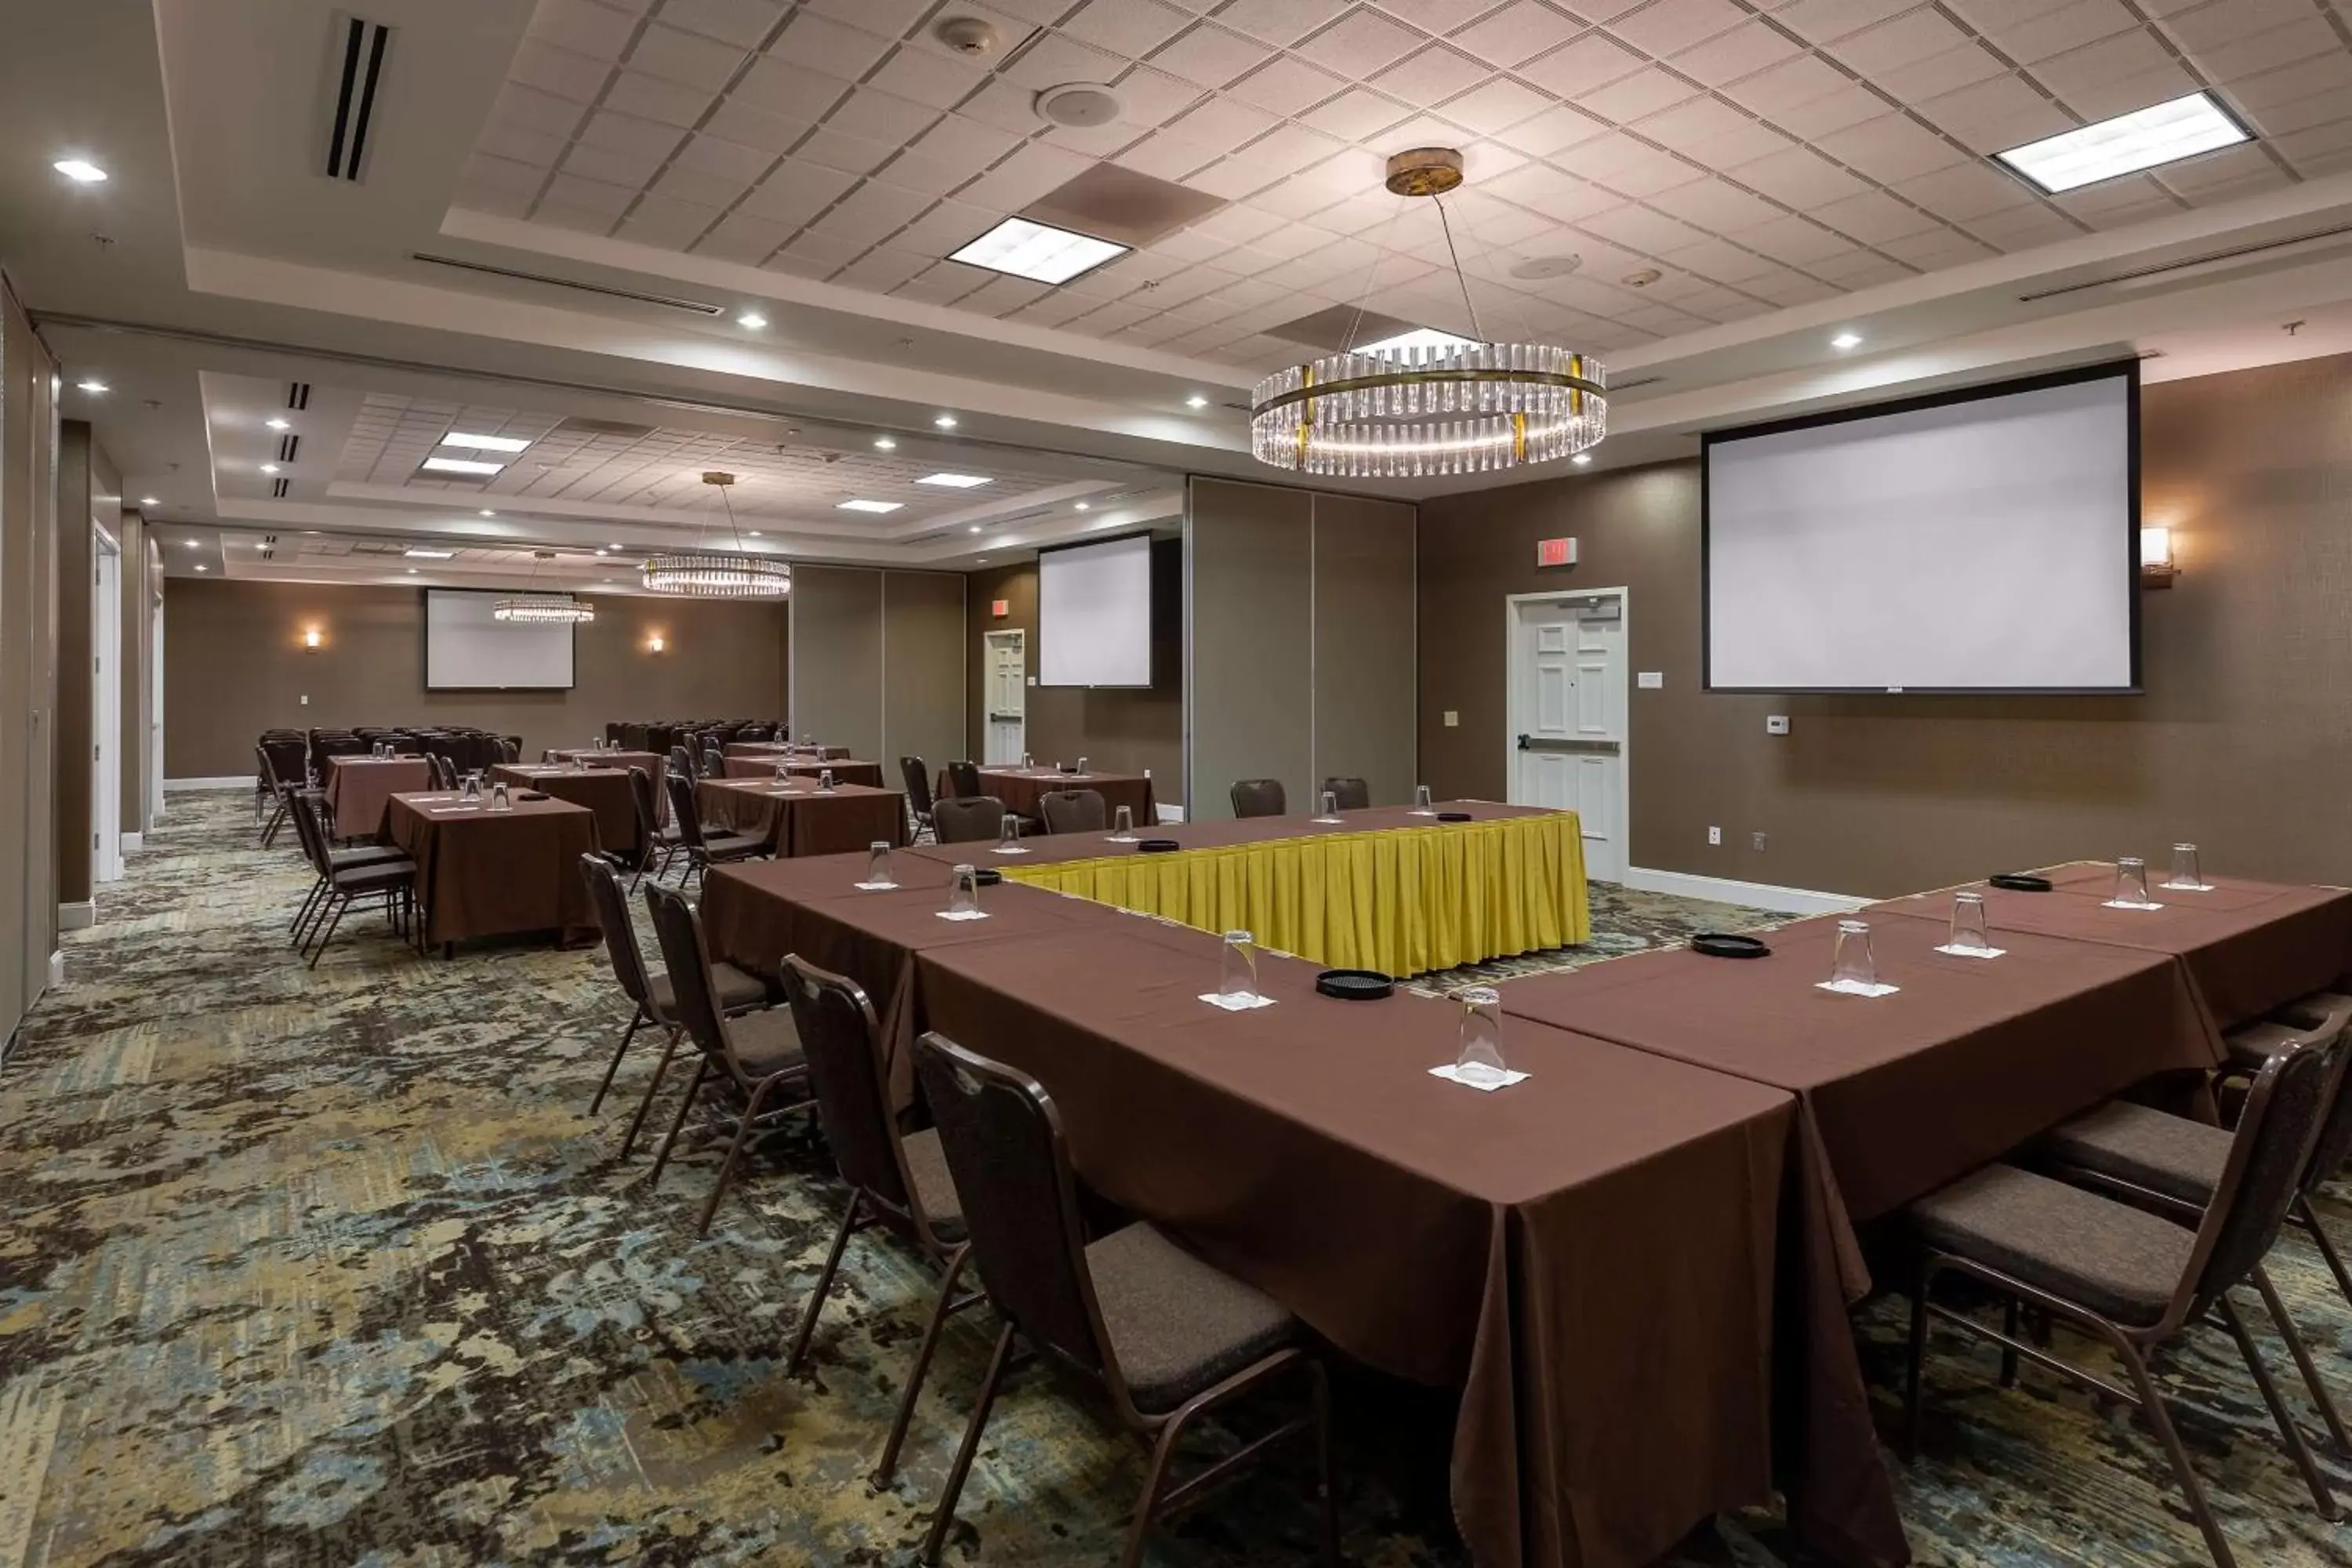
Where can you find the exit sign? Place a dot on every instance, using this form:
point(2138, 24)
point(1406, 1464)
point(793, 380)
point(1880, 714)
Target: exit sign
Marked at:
point(1555, 551)
point(999, 608)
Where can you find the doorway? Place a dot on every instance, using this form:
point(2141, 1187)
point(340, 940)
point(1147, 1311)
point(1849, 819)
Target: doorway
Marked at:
point(1007, 696)
point(106, 710)
point(1567, 732)
point(155, 812)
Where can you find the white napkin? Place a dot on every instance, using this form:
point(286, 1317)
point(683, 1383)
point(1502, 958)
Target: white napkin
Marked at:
point(1972, 952)
point(963, 914)
point(2186, 886)
point(1235, 1004)
point(876, 887)
point(1452, 1074)
point(1853, 988)
point(1008, 852)
point(2122, 904)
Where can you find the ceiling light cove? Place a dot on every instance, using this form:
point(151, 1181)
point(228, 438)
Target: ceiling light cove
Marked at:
point(873, 506)
point(954, 482)
point(485, 443)
point(2144, 138)
point(81, 170)
point(461, 465)
point(1037, 251)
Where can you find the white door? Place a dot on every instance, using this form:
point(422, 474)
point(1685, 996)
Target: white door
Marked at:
point(106, 712)
point(1568, 716)
point(1008, 691)
point(156, 718)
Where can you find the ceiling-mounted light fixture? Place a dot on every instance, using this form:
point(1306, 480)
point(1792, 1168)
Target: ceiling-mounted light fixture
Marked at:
point(461, 465)
point(485, 443)
point(2126, 144)
point(543, 609)
point(1845, 340)
point(92, 386)
point(81, 171)
point(945, 421)
point(1037, 251)
point(954, 482)
point(707, 574)
point(752, 319)
point(276, 424)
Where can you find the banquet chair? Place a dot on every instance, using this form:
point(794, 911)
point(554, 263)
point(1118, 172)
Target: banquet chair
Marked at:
point(444, 771)
point(752, 1056)
point(1073, 811)
point(704, 847)
point(509, 749)
point(899, 1183)
point(962, 778)
point(342, 883)
point(967, 819)
point(682, 765)
point(314, 801)
point(917, 780)
point(2125, 1276)
point(714, 762)
point(654, 840)
point(280, 791)
point(1348, 795)
point(1164, 1337)
point(289, 752)
point(653, 997)
point(1259, 797)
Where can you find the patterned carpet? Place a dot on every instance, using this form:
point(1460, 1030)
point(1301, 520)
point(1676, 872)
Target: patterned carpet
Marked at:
point(330, 1267)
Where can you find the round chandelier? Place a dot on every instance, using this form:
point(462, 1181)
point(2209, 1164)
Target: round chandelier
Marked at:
point(544, 608)
point(718, 574)
point(1446, 407)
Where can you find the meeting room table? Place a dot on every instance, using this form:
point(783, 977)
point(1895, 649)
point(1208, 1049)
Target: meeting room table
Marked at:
point(482, 871)
point(798, 818)
point(605, 791)
point(1020, 789)
point(358, 786)
point(780, 748)
point(763, 764)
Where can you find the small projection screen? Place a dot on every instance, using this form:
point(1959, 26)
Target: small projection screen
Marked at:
point(469, 648)
point(1094, 613)
point(1985, 541)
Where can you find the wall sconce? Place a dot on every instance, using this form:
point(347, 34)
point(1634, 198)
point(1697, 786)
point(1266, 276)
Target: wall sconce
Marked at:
point(312, 641)
point(656, 644)
point(2156, 567)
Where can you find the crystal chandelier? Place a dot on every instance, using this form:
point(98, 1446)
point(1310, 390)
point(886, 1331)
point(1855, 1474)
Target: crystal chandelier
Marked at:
point(709, 574)
point(1450, 409)
point(544, 608)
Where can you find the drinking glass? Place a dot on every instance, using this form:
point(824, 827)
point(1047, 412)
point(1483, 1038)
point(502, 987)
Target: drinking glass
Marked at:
point(2131, 880)
point(964, 891)
point(1237, 967)
point(1330, 807)
point(1968, 923)
point(2184, 868)
point(878, 864)
point(498, 801)
point(1082, 767)
point(1123, 826)
point(472, 788)
point(1480, 1060)
point(783, 774)
point(1421, 801)
point(1009, 836)
point(1852, 962)
point(1028, 762)
point(825, 780)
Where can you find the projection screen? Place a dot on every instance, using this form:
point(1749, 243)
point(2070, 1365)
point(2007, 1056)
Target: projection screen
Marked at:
point(1987, 540)
point(1094, 613)
point(469, 648)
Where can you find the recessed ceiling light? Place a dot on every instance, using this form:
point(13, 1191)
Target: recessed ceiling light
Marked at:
point(1039, 252)
point(268, 468)
point(869, 506)
point(275, 424)
point(752, 318)
point(189, 542)
point(485, 443)
point(1424, 340)
point(1845, 340)
point(945, 421)
point(884, 444)
point(2160, 133)
point(423, 554)
point(614, 545)
point(199, 566)
point(973, 528)
point(954, 482)
point(1196, 400)
point(80, 169)
point(600, 555)
point(1582, 459)
point(412, 571)
point(487, 512)
point(150, 501)
point(93, 385)
point(461, 465)
point(1085, 506)
point(752, 533)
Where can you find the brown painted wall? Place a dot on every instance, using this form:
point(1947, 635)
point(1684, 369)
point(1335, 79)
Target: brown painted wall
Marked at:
point(1124, 731)
point(234, 667)
point(2241, 742)
point(28, 458)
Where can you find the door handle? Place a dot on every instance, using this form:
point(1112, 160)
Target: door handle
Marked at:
point(1524, 742)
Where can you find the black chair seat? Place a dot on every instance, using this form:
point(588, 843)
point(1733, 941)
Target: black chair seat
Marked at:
point(735, 989)
point(384, 874)
point(365, 855)
point(935, 1188)
point(2121, 1262)
point(2168, 1154)
point(1177, 1325)
point(766, 1043)
point(733, 846)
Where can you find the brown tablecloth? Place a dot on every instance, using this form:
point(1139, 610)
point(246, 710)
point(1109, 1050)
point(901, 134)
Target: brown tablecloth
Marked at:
point(1019, 788)
point(772, 749)
point(491, 873)
point(801, 819)
point(1587, 1255)
point(601, 790)
point(656, 766)
point(2247, 946)
point(845, 771)
point(357, 788)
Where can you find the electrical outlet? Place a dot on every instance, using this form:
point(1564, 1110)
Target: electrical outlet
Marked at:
point(1756, 841)
point(1714, 835)
point(306, 700)
point(1453, 719)
point(1776, 724)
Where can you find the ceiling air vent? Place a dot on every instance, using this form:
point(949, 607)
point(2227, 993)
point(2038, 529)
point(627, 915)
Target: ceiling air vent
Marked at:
point(277, 488)
point(699, 307)
point(577, 426)
point(298, 394)
point(355, 70)
point(2310, 245)
point(287, 444)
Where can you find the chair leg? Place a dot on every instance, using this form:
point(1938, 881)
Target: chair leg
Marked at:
point(2324, 1500)
point(2151, 1405)
point(1320, 1385)
point(660, 1070)
point(936, 1540)
point(888, 1467)
point(341, 903)
point(2008, 1323)
point(1164, 1450)
point(637, 1019)
point(825, 1281)
point(701, 1072)
point(2309, 1218)
point(1915, 1370)
point(303, 914)
point(734, 1153)
point(2337, 1437)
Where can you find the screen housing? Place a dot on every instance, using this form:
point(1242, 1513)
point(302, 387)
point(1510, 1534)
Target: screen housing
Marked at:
point(1150, 583)
point(424, 643)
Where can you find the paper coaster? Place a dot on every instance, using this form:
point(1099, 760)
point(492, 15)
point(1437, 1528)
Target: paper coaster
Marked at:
point(1972, 952)
point(1851, 988)
point(1421, 813)
point(1453, 1074)
point(1334, 821)
point(2186, 886)
point(1120, 838)
point(2124, 904)
point(876, 887)
point(1002, 851)
point(1235, 1004)
point(963, 914)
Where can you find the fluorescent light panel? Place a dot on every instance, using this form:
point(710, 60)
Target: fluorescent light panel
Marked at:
point(869, 506)
point(484, 443)
point(954, 482)
point(2144, 138)
point(1037, 251)
point(462, 465)
point(429, 554)
point(1423, 338)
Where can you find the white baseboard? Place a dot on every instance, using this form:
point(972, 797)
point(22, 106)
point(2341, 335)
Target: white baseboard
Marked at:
point(1729, 890)
point(80, 915)
point(228, 781)
point(58, 968)
point(133, 842)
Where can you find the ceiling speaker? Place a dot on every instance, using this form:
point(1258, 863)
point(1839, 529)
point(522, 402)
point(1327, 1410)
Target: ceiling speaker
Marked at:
point(1078, 103)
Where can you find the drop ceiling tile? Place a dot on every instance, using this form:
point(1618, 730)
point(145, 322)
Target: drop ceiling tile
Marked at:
point(745, 24)
point(1032, 172)
point(855, 154)
point(516, 145)
point(1519, 31)
point(1431, 77)
point(1961, 192)
point(2267, 50)
point(1167, 156)
point(1127, 27)
point(1860, 269)
point(1871, 217)
point(1744, 145)
point(1359, 45)
point(669, 224)
point(881, 116)
point(2065, 27)
point(651, 98)
point(1718, 260)
point(946, 228)
point(745, 238)
point(1714, 205)
point(2160, 84)
point(2133, 216)
point(1004, 104)
point(825, 252)
point(474, 197)
point(962, 143)
point(1280, 21)
point(943, 284)
point(773, 87)
point(883, 268)
point(576, 78)
point(1692, 124)
point(1665, 26)
point(2303, 114)
point(1053, 61)
point(1545, 190)
point(2022, 228)
point(1798, 176)
point(2222, 22)
point(588, 196)
point(2330, 73)
point(583, 27)
point(1438, 16)
point(2001, 112)
point(872, 212)
point(1639, 228)
point(1904, 40)
point(1355, 114)
point(1289, 149)
point(1421, 130)
point(629, 136)
point(1819, 21)
point(505, 175)
point(1287, 86)
point(1891, 148)
point(1295, 198)
point(1630, 167)
point(1794, 289)
point(1232, 177)
point(701, 187)
point(1645, 93)
point(1495, 107)
point(1553, 131)
point(1224, 122)
point(1575, 70)
point(1053, 309)
point(1209, 55)
point(1941, 74)
point(2322, 148)
point(928, 78)
point(1785, 86)
point(797, 192)
point(1154, 97)
point(697, 61)
point(1750, 47)
point(563, 214)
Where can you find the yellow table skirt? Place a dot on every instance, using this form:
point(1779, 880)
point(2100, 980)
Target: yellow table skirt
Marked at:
point(1402, 900)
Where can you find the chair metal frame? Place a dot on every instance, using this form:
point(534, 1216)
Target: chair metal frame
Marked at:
point(323, 911)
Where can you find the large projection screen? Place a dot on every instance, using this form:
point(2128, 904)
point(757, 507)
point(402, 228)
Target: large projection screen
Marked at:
point(469, 648)
point(1094, 613)
point(1987, 540)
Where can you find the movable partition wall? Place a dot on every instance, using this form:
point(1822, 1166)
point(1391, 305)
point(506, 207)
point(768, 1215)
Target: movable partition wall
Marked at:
point(1301, 657)
point(878, 662)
